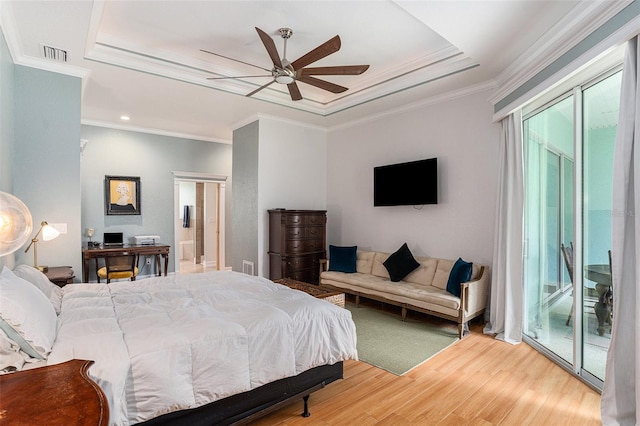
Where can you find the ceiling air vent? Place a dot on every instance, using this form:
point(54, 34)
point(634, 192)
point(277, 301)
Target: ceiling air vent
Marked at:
point(54, 54)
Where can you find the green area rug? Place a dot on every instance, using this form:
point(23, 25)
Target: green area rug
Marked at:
point(385, 341)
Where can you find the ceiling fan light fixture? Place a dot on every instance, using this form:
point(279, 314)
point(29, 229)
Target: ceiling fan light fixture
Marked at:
point(289, 73)
point(284, 79)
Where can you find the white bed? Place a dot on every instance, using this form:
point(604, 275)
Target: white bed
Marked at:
point(173, 343)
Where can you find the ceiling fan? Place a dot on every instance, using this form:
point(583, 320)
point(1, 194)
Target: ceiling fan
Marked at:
point(289, 73)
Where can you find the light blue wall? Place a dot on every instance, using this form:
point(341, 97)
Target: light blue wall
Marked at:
point(46, 162)
point(6, 116)
point(152, 158)
point(245, 202)
point(6, 127)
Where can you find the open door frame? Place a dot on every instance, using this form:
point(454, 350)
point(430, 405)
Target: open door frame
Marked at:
point(220, 181)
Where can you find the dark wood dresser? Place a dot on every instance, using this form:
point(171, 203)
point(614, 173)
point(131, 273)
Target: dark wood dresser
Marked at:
point(56, 395)
point(297, 242)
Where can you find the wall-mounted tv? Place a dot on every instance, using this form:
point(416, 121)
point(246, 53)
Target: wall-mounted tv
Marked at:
point(406, 184)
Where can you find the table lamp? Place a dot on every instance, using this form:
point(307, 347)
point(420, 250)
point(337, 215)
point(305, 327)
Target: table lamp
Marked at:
point(15, 223)
point(48, 234)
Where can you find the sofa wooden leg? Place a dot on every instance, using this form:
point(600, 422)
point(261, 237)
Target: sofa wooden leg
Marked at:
point(460, 329)
point(404, 313)
point(357, 301)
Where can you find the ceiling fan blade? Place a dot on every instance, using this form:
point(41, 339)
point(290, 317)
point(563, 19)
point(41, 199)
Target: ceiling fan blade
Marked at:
point(294, 91)
point(236, 60)
point(331, 87)
point(240, 76)
point(270, 45)
point(325, 49)
point(338, 70)
point(260, 88)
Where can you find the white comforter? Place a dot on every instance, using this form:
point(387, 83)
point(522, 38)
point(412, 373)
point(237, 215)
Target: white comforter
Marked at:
point(171, 343)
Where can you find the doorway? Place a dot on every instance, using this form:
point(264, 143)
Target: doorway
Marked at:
point(199, 222)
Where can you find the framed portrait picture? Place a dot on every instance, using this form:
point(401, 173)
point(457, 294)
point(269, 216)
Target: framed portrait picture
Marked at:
point(121, 195)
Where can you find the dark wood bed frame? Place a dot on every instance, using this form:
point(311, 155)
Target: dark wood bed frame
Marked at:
point(247, 406)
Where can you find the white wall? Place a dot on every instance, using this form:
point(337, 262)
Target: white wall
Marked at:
point(292, 174)
point(461, 135)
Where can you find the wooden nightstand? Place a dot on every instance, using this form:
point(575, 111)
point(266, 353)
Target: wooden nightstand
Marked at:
point(60, 275)
point(61, 394)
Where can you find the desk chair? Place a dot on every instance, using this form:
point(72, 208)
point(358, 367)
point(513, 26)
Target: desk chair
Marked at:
point(607, 297)
point(119, 265)
point(588, 294)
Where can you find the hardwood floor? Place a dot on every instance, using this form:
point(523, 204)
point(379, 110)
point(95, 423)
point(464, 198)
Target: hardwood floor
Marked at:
point(189, 267)
point(477, 381)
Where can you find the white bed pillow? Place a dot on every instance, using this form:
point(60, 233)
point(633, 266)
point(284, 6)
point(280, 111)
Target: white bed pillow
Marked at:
point(27, 311)
point(40, 280)
point(12, 358)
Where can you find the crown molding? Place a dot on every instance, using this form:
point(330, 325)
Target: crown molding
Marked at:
point(56, 67)
point(422, 71)
point(240, 124)
point(196, 176)
point(445, 97)
point(153, 131)
point(260, 116)
point(7, 26)
point(585, 18)
point(291, 122)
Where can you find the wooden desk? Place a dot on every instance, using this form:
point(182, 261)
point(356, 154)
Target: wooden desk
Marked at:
point(56, 395)
point(157, 250)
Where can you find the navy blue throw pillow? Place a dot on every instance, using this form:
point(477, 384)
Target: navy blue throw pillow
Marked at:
point(342, 259)
point(400, 264)
point(460, 273)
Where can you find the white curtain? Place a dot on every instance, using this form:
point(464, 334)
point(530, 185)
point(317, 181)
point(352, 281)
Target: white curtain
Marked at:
point(620, 395)
point(505, 307)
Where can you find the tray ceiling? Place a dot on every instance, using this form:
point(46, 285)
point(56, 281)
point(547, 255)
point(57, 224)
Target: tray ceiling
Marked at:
point(144, 58)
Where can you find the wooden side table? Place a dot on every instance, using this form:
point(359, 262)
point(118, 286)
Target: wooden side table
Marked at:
point(55, 395)
point(60, 275)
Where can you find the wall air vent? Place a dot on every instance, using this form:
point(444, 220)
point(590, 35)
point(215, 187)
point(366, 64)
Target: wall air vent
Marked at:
point(54, 53)
point(247, 267)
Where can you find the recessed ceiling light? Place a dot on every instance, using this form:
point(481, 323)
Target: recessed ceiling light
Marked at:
point(125, 118)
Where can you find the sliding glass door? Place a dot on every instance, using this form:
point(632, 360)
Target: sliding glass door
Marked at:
point(600, 117)
point(549, 224)
point(568, 146)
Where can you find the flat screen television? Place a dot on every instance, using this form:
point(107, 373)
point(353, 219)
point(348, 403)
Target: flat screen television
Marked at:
point(406, 184)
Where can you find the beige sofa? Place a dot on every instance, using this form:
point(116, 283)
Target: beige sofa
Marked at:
point(423, 290)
